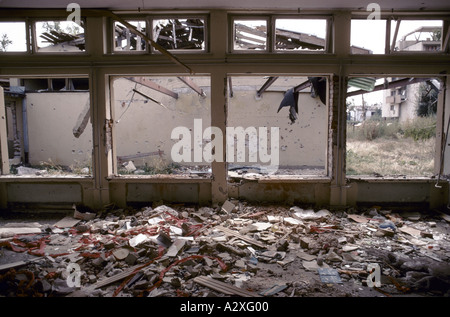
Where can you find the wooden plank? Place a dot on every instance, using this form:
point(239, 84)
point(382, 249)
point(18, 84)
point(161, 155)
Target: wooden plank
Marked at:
point(67, 222)
point(192, 85)
point(115, 278)
point(151, 84)
point(4, 163)
point(223, 287)
point(239, 236)
point(266, 85)
point(82, 120)
point(13, 265)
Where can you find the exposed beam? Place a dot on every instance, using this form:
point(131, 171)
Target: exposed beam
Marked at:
point(266, 85)
point(445, 43)
point(150, 98)
point(151, 84)
point(188, 81)
point(82, 120)
point(394, 39)
point(302, 86)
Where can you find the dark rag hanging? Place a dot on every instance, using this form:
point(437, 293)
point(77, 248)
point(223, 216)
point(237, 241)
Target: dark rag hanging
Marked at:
point(290, 100)
point(319, 88)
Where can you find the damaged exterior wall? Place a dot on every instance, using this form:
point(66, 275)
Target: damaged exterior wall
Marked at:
point(302, 143)
point(146, 126)
point(335, 190)
point(51, 118)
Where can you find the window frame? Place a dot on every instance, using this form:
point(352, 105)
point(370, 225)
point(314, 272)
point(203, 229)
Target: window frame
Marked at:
point(389, 31)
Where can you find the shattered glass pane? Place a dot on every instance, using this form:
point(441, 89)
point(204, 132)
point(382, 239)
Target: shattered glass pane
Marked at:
point(250, 34)
point(59, 36)
point(180, 34)
point(417, 35)
point(300, 34)
point(126, 40)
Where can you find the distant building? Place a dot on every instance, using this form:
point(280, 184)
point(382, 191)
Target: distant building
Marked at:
point(401, 103)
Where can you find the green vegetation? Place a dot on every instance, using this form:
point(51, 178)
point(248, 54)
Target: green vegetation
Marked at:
point(388, 148)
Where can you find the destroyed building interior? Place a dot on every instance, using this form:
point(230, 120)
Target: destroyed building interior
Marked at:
point(212, 149)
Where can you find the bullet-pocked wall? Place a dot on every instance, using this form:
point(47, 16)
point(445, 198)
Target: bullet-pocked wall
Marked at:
point(287, 118)
point(159, 124)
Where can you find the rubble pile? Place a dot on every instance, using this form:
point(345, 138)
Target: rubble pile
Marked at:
point(236, 249)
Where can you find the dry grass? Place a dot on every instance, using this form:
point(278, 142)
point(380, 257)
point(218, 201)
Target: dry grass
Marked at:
point(389, 157)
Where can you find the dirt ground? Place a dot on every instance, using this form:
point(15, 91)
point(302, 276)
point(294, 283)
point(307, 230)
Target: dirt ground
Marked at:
point(263, 250)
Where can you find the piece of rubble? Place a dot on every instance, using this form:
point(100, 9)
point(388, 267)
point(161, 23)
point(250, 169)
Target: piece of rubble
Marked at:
point(83, 213)
point(273, 290)
point(305, 256)
point(11, 232)
point(358, 218)
point(329, 276)
point(129, 166)
point(313, 265)
point(175, 248)
point(228, 207)
point(22, 170)
point(121, 253)
point(259, 226)
point(411, 231)
point(309, 214)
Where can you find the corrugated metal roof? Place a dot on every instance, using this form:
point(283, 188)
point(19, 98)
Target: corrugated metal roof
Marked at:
point(365, 83)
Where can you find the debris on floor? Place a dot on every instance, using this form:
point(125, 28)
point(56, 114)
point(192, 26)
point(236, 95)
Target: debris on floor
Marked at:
point(237, 249)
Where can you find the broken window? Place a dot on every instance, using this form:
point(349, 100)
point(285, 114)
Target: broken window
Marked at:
point(13, 37)
point(391, 126)
point(126, 40)
point(301, 34)
point(49, 130)
point(180, 33)
point(277, 125)
point(59, 36)
point(162, 125)
point(368, 36)
point(250, 34)
point(416, 35)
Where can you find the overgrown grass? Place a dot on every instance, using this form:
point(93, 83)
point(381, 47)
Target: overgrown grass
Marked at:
point(421, 128)
point(391, 148)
